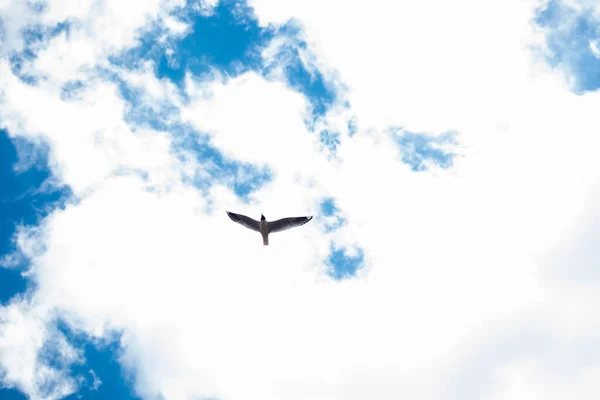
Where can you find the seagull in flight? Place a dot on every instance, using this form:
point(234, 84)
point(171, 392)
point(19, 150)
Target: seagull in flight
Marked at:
point(265, 227)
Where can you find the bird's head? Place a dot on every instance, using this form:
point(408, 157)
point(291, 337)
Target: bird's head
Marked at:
point(262, 217)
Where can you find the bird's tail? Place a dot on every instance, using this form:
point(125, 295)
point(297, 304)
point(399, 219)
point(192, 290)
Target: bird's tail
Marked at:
point(266, 239)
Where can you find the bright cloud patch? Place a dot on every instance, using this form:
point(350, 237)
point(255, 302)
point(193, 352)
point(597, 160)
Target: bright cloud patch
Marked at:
point(34, 356)
point(438, 265)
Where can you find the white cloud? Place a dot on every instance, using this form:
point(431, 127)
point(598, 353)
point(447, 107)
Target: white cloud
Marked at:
point(454, 259)
point(90, 132)
point(96, 381)
point(595, 47)
point(176, 26)
point(279, 140)
point(526, 379)
point(16, 15)
point(438, 63)
point(24, 337)
point(96, 30)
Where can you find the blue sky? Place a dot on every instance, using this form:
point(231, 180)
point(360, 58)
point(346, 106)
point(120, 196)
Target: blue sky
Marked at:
point(230, 41)
point(571, 35)
point(26, 198)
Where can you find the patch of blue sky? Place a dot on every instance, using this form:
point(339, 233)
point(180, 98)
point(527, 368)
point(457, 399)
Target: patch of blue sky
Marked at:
point(419, 150)
point(228, 39)
point(150, 47)
point(573, 37)
point(160, 115)
point(352, 127)
point(213, 167)
point(330, 140)
point(12, 283)
point(11, 394)
point(312, 85)
point(27, 196)
point(99, 375)
point(328, 207)
point(301, 72)
point(102, 377)
point(330, 212)
point(343, 265)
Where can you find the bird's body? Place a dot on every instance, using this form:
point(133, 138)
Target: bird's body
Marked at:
point(264, 230)
point(264, 227)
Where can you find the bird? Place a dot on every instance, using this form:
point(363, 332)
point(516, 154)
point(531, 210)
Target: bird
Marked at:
point(265, 227)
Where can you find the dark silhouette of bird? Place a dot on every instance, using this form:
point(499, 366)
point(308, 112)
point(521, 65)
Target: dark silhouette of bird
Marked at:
point(265, 227)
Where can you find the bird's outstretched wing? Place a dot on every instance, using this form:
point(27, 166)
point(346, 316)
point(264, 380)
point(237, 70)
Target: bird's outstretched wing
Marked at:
point(246, 221)
point(287, 223)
